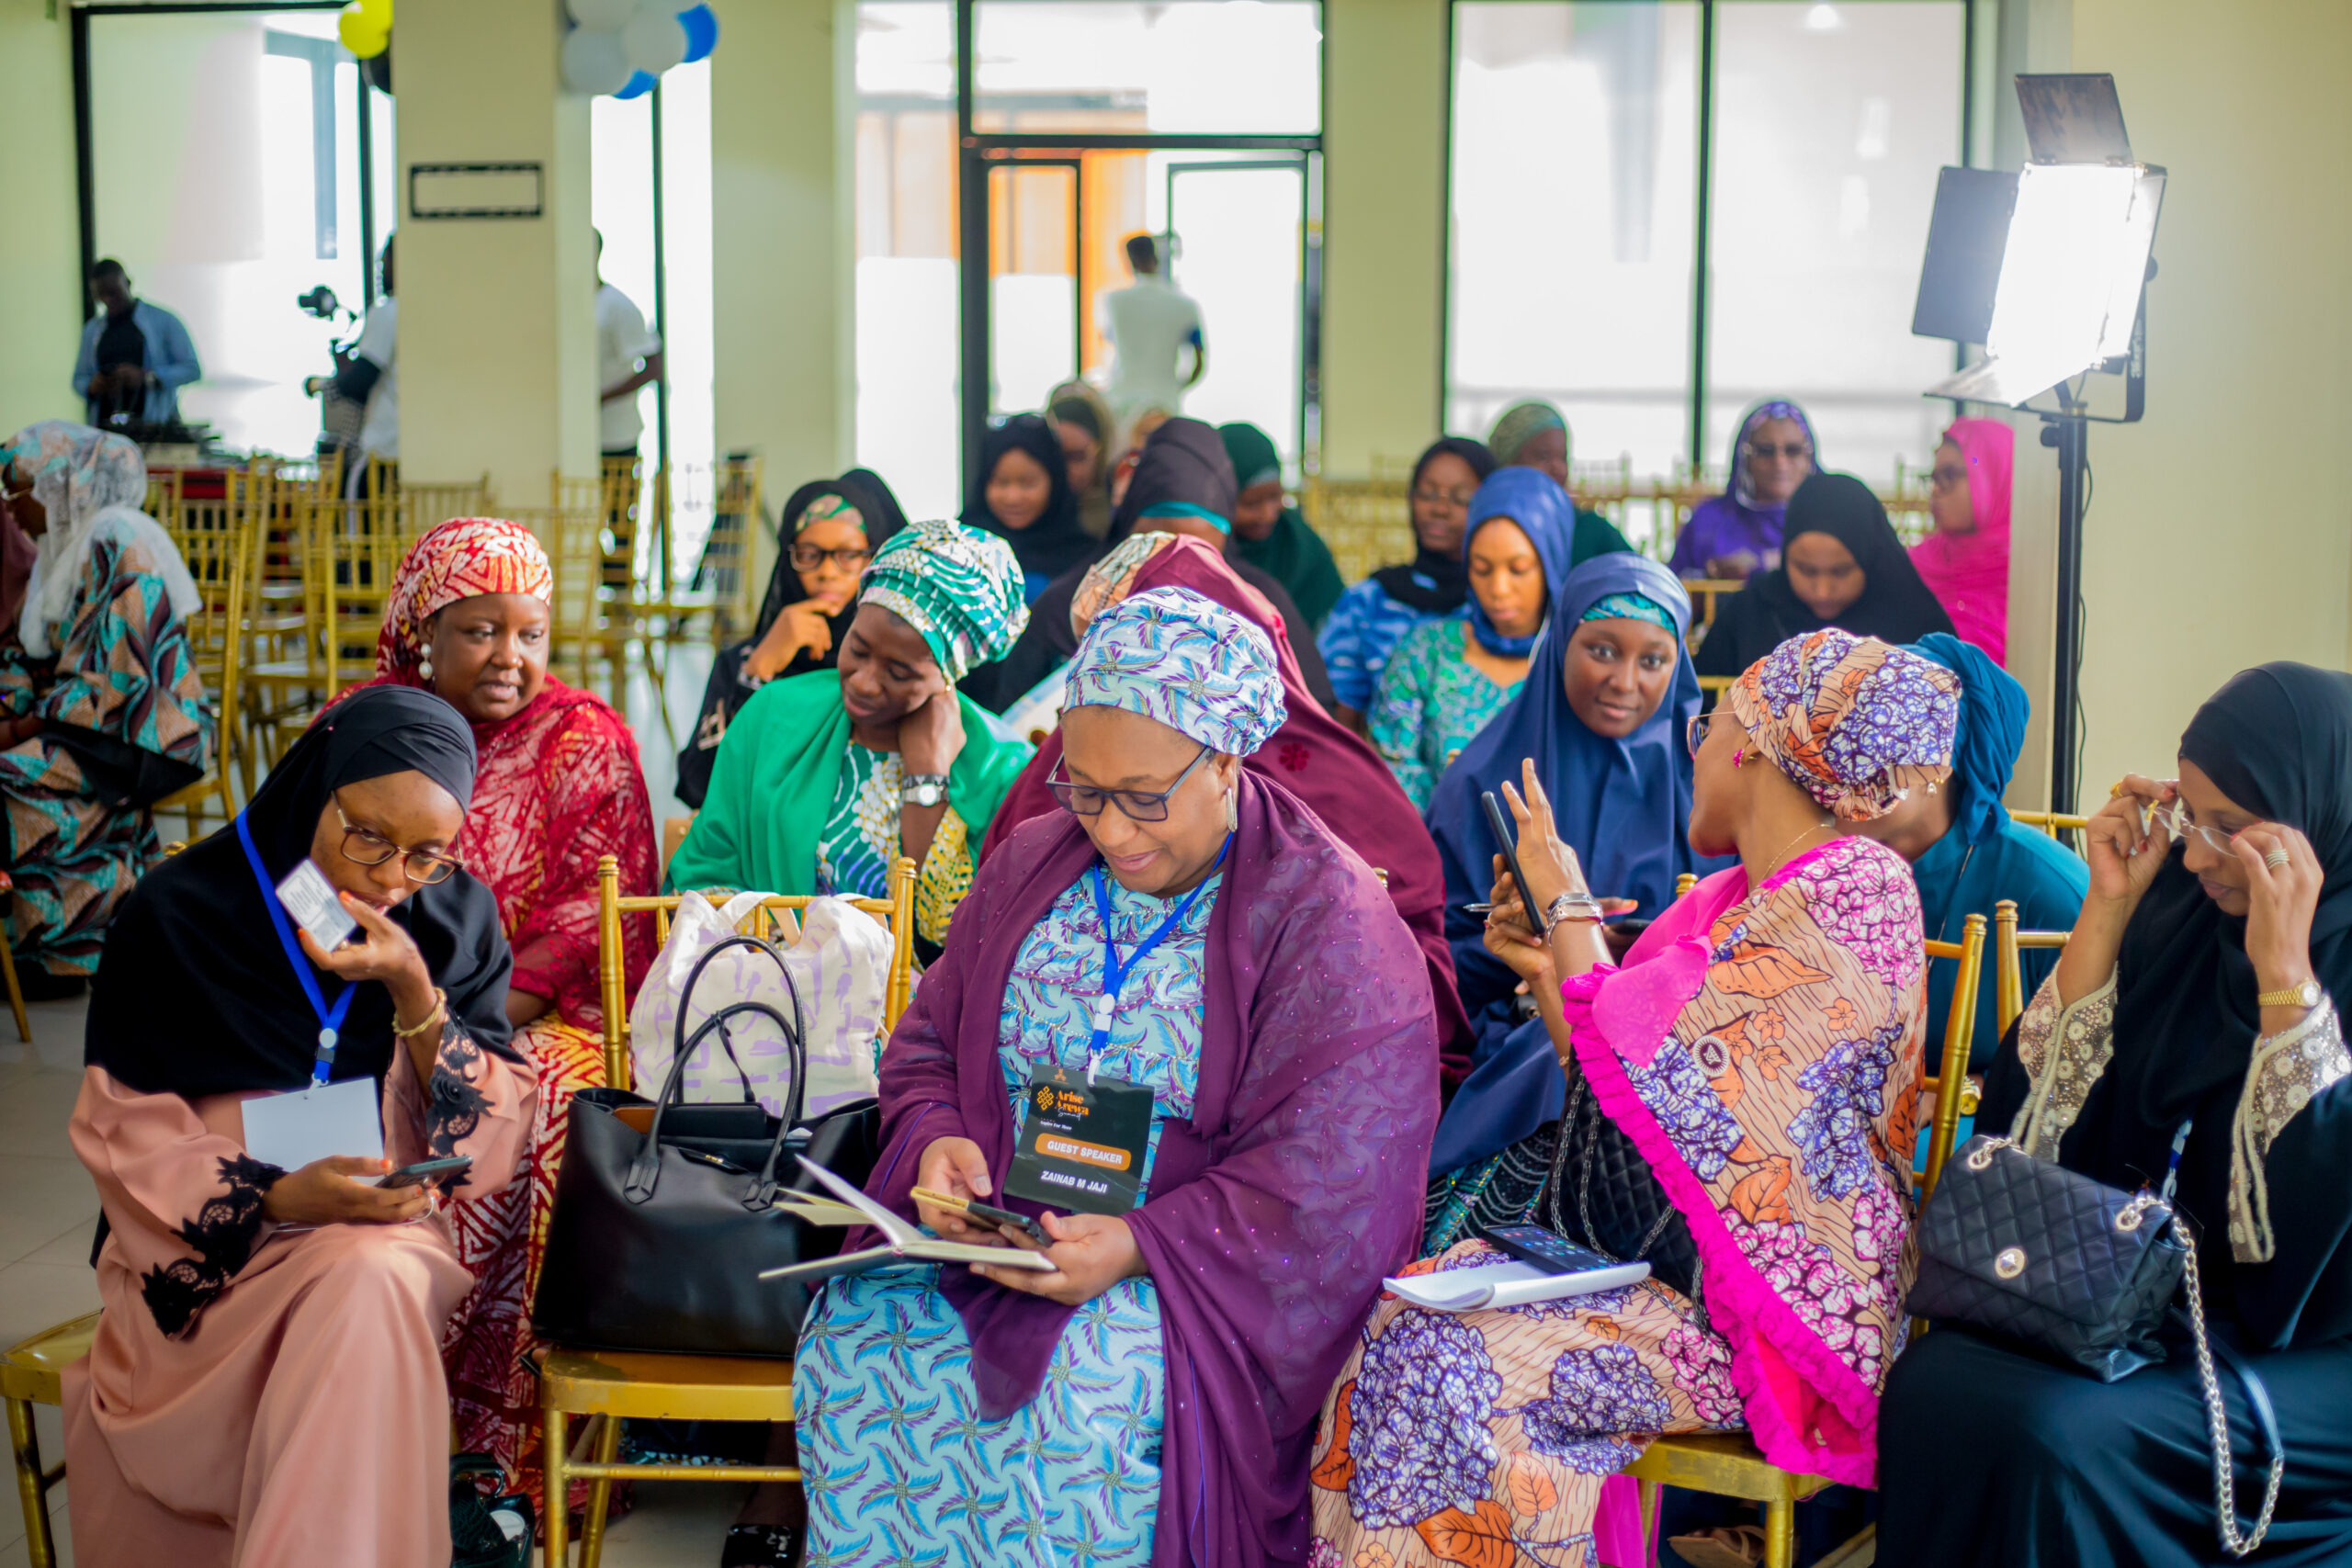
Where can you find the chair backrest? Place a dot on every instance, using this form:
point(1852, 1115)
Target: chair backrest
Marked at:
point(1960, 1025)
point(218, 559)
point(349, 582)
point(772, 918)
point(1684, 883)
point(2008, 946)
point(1368, 523)
point(2050, 822)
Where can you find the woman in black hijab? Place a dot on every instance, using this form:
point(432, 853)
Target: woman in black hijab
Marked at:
point(2196, 996)
point(291, 1319)
point(1841, 564)
point(1021, 494)
point(1182, 484)
point(829, 530)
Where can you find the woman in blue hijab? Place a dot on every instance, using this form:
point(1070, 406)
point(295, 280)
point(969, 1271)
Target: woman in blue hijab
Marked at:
point(1447, 678)
point(1604, 711)
point(1965, 853)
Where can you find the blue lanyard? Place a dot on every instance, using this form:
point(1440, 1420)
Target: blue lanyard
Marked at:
point(330, 1019)
point(2172, 1170)
point(1114, 973)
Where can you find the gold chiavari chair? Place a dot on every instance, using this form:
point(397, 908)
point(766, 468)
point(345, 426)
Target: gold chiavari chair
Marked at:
point(2050, 822)
point(612, 1386)
point(1729, 1465)
point(420, 508)
point(2009, 944)
point(32, 1373)
point(217, 558)
point(1367, 524)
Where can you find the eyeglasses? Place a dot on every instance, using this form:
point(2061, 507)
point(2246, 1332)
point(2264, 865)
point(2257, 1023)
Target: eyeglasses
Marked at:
point(809, 558)
point(1459, 497)
point(1694, 734)
point(1141, 806)
point(1792, 450)
point(2174, 820)
point(361, 847)
point(1948, 475)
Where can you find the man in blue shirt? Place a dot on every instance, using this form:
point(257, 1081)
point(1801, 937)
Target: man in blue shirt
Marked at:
point(135, 356)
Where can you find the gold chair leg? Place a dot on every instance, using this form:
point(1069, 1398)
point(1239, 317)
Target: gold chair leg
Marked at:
point(1650, 1493)
point(555, 1485)
point(16, 991)
point(41, 1549)
point(600, 1493)
point(1780, 1535)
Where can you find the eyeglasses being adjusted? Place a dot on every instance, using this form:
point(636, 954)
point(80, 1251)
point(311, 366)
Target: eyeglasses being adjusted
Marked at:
point(1792, 450)
point(2174, 820)
point(809, 558)
point(1141, 806)
point(362, 848)
point(1694, 733)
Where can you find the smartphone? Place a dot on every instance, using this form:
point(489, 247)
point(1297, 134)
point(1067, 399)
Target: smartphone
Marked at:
point(990, 1214)
point(1553, 1254)
point(1500, 820)
point(426, 1169)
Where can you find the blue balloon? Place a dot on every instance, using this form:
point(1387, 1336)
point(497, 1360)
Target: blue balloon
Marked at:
point(702, 32)
point(640, 83)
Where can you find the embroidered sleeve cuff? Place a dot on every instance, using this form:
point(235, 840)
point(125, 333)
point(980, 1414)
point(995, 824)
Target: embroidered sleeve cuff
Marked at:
point(2063, 1050)
point(221, 1237)
point(2288, 1070)
point(455, 1103)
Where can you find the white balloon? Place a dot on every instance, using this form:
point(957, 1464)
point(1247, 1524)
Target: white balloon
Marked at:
point(655, 41)
point(602, 16)
point(593, 61)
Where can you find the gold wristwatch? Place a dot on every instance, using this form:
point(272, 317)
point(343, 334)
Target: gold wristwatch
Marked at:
point(2306, 995)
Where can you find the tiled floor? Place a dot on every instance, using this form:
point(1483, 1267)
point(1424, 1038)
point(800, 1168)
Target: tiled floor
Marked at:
point(47, 1209)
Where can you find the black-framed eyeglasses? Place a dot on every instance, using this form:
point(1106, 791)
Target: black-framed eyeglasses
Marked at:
point(361, 847)
point(1793, 450)
point(1141, 806)
point(1429, 495)
point(809, 558)
point(1694, 734)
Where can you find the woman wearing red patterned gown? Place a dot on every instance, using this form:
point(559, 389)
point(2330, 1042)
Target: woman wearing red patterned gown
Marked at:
point(559, 786)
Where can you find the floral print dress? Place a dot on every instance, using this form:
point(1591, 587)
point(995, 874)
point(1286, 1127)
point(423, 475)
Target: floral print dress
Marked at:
point(1769, 1069)
point(900, 1465)
point(1432, 702)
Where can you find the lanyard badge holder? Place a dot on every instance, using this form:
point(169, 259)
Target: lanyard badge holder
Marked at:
point(1083, 1142)
point(273, 899)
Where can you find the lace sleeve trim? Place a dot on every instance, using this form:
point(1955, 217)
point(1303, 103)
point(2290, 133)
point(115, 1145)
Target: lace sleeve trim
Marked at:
point(2288, 1070)
point(2064, 1051)
point(222, 1233)
point(454, 1102)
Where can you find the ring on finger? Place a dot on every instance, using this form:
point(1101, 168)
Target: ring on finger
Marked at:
point(2274, 859)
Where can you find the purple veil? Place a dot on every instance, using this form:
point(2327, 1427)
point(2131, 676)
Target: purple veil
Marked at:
point(1275, 1212)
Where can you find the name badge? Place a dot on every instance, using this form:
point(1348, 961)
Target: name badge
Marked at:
point(1082, 1143)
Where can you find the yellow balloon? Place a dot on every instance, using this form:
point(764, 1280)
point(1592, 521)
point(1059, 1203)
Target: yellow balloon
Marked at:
point(377, 11)
point(361, 34)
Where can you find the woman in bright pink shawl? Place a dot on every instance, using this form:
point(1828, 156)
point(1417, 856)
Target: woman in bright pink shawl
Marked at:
point(1760, 1052)
point(1965, 561)
point(1313, 755)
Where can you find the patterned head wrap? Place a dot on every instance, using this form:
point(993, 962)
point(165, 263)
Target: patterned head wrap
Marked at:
point(1858, 724)
point(1186, 660)
point(827, 507)
point(459, 559)
point(81, 475)
point(959, 587)
point(1111, 579)
point(1520, 423)
point(1631, 607)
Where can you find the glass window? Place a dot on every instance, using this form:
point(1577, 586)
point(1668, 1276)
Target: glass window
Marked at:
point(1574, 187)
point(1163, 66)
point(256, 203)
point(1831, 121)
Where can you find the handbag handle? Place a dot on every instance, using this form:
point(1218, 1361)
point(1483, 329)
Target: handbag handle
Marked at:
point(644, 1171)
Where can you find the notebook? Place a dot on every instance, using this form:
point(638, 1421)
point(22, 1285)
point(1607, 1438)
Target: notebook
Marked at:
point(904, 1243)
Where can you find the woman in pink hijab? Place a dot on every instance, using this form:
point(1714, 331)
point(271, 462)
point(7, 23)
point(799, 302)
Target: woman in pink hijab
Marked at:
point(1966, 561)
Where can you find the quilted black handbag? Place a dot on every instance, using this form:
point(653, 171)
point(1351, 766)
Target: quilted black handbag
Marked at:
point(665, 1213)
point(1603, 1195)
point(2039, 1256)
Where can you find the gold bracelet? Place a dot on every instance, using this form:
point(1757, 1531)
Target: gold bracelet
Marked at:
point(440, 1004)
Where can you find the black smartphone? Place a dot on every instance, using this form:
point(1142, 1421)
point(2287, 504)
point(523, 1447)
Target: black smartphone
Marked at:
point(1500, 820)
point(426, 1169)
point(990, 1214)
point(1553, 1254)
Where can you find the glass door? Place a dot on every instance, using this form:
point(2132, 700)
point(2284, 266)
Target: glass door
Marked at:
point(1036, 282)
point(1237, 232)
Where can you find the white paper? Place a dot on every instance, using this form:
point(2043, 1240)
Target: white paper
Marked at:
point(310, 898)
point(904, 1241)
point(1508, 1283)
point(292, 1130)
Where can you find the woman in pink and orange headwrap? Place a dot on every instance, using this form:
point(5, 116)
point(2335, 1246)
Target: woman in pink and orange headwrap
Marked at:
point(559, 786)
point(1966, 561)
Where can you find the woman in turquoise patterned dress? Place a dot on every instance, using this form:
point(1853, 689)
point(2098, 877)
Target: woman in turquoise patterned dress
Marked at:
point(102, 713)
point(1232, 993)
point(1448, 678)
point(825, 779)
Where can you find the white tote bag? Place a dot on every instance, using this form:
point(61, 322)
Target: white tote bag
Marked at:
point(840, 966)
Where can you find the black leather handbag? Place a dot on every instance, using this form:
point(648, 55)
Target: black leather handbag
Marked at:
point(665, 1213)
point(1603, 1195)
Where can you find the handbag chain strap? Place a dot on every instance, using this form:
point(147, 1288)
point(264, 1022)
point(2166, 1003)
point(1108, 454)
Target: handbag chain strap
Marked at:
point(2217, 1422)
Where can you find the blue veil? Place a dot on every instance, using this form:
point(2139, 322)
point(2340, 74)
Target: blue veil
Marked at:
point(1624, 804)
point(1548, 518)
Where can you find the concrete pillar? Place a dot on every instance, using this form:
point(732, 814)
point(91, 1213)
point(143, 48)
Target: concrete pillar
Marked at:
point(497, 315)
point(40, 284)
point(783, 94)
point(1385, 135)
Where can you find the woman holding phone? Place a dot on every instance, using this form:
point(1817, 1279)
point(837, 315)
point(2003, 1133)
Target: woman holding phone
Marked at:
point(270, 1333)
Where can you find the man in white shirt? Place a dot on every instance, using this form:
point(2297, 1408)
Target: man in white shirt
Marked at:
point(365, 374)
point(628, 356)
point(1148, 323)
